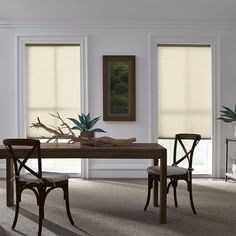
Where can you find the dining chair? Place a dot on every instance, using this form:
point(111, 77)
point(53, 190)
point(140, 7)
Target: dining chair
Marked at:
point(41, 183)
point(184, 146)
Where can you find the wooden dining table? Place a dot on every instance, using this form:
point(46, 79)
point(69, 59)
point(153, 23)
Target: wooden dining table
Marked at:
point(152, 151)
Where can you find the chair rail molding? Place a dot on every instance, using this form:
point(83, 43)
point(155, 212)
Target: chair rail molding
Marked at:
point(154, 40)
point(20, 76)
point(118, 171)
point(2, 170)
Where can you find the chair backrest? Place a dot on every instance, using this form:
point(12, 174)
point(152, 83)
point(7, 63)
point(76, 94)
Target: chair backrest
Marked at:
point(188, 151)
point(20, 156)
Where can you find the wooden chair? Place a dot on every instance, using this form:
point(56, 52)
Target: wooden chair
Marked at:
point(41, 183)
point(174, 172)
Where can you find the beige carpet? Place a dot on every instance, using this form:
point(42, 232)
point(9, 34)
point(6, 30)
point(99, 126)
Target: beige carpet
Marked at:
point(115, 208)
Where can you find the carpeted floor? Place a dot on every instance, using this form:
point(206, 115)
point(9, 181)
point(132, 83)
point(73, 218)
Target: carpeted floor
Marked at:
point(115, 208)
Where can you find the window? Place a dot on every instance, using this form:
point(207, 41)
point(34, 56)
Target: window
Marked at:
point(53, 85)
point(184, 94)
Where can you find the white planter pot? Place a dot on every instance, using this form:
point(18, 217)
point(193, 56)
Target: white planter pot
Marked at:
point(234, 128)
point(234, 168)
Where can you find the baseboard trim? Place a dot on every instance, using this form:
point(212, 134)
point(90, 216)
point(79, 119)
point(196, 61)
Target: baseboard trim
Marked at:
point(118, 167)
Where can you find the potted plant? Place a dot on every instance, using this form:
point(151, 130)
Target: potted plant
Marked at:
point(229, 116)
point(85, 124)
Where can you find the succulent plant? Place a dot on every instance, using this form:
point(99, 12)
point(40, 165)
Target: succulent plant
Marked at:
point(85, 123)
point(228, 115)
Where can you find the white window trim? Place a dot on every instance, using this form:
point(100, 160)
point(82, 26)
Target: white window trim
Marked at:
point(21, 41)
point(214, 42)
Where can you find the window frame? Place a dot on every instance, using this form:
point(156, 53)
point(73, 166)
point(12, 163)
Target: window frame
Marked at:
point(154, 41)
point(21, 99)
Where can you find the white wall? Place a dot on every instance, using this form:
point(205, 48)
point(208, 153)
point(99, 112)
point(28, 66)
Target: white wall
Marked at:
point(117, 37)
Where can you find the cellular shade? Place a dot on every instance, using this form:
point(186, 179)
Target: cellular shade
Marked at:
point(53, 85)
point(184, 90)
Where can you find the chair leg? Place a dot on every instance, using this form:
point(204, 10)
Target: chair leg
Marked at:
point(40, 219)
point(156, 192)
point(17, 208)
point(150, 183)
point(41, 215)
point(175, 197)
point(66, 197)
point(191, 197)
point(174, 185)
point(41, 201)
point(168, 187)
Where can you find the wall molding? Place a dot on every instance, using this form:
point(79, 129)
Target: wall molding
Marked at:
point(20, 76)
point(186, 24)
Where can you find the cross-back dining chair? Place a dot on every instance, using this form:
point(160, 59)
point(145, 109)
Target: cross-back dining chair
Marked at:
point(41, 183)
point(175, 172)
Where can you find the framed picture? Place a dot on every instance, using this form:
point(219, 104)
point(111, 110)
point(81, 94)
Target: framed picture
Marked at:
point(118, 88)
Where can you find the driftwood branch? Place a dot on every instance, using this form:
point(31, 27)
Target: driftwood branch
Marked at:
point(102, 141)
point(64, 124)
point(57, 132)
point(65, 132)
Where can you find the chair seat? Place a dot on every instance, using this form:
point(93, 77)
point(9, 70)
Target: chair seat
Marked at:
point(171, 170)
point(52, 177)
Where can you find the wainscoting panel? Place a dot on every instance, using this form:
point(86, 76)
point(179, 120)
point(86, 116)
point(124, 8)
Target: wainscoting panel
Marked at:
point(118, 171)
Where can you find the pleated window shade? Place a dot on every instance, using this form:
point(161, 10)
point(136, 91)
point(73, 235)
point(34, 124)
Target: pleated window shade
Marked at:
point(53, 85)
point(184, 88)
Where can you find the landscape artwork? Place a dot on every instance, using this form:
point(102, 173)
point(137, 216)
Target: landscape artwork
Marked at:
point(119, 88)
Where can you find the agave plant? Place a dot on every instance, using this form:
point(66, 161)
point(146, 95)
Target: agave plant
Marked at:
point(228, 115)
point(85, 123)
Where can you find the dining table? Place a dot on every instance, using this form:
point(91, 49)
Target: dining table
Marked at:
point(152, 151)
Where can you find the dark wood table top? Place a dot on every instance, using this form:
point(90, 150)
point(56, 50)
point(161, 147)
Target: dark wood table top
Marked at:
point(62, 150)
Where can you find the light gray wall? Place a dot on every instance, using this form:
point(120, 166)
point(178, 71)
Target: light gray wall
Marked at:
point(123, 29)
point(122, 10)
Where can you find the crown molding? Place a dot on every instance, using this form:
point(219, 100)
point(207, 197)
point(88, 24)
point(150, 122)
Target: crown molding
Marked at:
point(197, 24)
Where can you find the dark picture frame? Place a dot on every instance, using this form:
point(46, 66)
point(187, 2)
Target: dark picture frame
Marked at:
point(118, 88)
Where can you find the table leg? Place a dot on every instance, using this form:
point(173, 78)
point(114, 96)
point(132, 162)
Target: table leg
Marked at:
point(9, 182)
point(155, 187)
point(226, 158)
point(163, 190)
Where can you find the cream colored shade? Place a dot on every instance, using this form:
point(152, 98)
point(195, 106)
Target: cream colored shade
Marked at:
point(184, 90)
point(53, 85)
